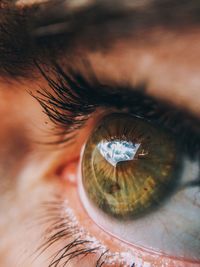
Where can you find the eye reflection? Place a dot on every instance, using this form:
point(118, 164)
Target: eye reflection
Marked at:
point(117, 151)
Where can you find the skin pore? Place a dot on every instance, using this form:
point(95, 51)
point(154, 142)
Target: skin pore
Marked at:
point(31, 173)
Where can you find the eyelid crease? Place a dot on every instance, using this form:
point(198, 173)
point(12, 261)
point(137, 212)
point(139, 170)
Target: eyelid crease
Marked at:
point(72, 98)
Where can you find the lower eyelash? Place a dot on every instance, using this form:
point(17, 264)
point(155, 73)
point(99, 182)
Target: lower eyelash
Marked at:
point(64, 225)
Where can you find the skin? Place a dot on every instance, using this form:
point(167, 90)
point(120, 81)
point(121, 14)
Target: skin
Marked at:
point(29, 171)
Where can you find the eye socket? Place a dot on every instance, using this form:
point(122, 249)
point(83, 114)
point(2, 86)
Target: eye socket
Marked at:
point(132, 185)
point(129, 166)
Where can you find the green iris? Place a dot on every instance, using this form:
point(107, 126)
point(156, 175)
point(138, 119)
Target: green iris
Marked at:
point(129, 166)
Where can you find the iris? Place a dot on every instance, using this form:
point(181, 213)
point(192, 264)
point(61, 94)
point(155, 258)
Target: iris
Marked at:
point(129, 166)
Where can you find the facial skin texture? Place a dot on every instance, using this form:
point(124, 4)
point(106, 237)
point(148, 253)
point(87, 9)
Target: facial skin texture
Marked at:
point(167, 60)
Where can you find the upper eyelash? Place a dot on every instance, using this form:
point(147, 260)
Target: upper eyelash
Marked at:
point(73, 98)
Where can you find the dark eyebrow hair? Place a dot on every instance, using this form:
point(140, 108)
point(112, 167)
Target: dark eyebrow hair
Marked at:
point(43, 30)
point(61, 16)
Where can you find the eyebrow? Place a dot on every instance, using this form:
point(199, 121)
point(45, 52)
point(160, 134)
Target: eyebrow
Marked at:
point(22, 42)
point(42, 30)
point(61, 16)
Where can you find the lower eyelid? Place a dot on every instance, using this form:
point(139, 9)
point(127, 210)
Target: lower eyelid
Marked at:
point(120, 250)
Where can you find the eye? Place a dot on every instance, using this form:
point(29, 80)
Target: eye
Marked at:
point(132, 185)
point(138, 176)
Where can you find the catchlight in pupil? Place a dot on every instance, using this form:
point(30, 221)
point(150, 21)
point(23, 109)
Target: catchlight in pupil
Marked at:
point(129, 166)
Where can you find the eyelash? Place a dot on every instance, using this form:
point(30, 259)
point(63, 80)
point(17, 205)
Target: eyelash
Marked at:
point(74, 98)
point(65, 226)
point(62, 227)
